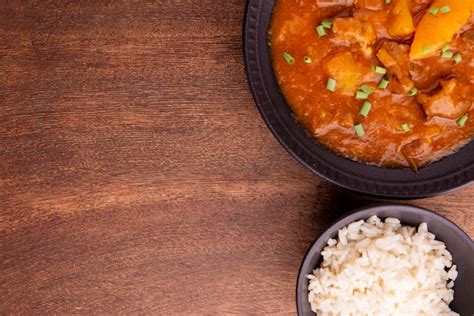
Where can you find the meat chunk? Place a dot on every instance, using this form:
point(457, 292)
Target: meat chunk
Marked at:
point(469, 35)
point(348, 72)
point(428, 73)
point(400, 19)
point(417, 151)
point(351, 30)
point(378, 19)
point(332, 3)
point(374, 5)
point(394, 57)
point(454, 99)
point(468, 26)
point(434, 31)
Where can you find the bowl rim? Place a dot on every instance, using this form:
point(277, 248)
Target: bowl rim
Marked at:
point(445, 175)
point(364, 213)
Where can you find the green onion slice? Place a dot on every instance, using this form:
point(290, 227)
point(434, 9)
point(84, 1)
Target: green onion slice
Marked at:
point(445, 48)
point(405, 127)
point(380, 70)
point(445, 9)
point(321, 31)
point(289, 59)
point(462, 121)
point(412, 92)
point(447, 54)
point(366, 89)
point(433, 10)
point(359, 130)
point(331, 85)
point(457, 58)
point(365, 109)
point(384, 84)
point(361, 95)
point(327, 24)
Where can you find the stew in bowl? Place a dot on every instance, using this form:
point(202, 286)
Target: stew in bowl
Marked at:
point(383, 82)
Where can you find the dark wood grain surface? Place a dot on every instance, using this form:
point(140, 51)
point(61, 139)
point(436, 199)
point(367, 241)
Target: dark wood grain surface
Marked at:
point(136, 175)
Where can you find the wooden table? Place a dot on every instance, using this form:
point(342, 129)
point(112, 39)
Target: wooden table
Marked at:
point(136, 175)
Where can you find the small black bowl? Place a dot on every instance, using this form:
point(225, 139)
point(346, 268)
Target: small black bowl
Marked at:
point(457, 242)
point(447, 174)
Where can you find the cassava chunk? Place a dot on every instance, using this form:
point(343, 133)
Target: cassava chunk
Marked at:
point(400, 19)
point(347, 71)
point(435, 31)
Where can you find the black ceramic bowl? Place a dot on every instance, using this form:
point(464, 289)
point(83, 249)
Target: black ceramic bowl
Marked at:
point(447, 174)
point(457, 242)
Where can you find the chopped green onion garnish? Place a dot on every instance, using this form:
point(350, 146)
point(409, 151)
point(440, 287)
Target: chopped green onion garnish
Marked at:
point(359, 130)
point(365, 109)
point(331, 85)
point(426, 49)
point(412, 92)
point(405, 127)
point(447, 54)
point(307, 59)
point(326, 24)
point(457, 58)
point(365, 88)
point(360, 95)
point(462, 121)
point(433, 10)
point(445, 9)
point(384, 84)
point(380, 70)
point(289, 59)
point(321, 31)
point(445, 48)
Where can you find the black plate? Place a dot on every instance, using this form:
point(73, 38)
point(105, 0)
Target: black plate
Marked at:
point(457, 242)
point(447, 174)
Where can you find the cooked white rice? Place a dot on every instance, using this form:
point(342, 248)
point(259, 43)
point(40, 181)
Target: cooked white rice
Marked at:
point(383, 268)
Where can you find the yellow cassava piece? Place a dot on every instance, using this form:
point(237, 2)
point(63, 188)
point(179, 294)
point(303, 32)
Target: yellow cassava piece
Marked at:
point(435, 31)
point(400, 19)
